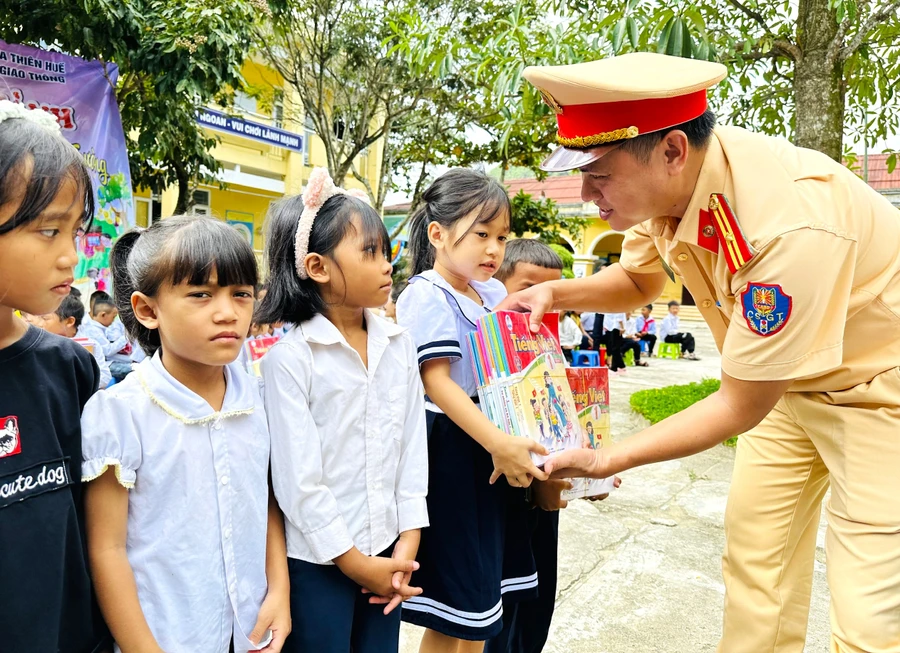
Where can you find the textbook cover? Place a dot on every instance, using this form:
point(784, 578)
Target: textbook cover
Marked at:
point(590, 388)
point(255, 349)
point(522, 383)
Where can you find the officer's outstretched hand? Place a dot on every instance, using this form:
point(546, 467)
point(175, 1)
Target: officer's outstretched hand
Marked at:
point(578, 463)
point(536, 300)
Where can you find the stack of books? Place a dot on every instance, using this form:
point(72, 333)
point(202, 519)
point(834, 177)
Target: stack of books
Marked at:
point(590, 387)
point(522, 383)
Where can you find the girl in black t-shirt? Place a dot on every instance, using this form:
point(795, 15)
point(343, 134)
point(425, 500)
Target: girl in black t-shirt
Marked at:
point(46, 601)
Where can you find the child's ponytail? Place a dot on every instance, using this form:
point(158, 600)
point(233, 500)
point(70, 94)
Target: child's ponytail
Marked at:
point(124, 287)
point(421, 251)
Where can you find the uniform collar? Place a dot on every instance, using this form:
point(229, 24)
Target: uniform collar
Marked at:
point(689, 229)
point(320, 329)
point(469, 309)
point(187, 406)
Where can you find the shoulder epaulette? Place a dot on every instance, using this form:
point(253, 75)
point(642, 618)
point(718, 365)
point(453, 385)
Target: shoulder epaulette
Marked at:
point(736, 249)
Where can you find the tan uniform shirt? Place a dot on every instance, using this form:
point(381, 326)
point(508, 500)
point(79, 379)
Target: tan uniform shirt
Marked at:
point(826, 244)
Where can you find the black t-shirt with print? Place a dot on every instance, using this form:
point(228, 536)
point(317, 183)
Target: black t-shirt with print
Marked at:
point(46, 600)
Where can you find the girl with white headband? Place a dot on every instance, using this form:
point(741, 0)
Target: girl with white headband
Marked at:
point(347, 421)
point(46, 601)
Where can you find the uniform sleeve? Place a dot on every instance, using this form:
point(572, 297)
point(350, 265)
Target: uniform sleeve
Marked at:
point(423, 309)
point(412, 472)
point(639, 253)
point(297, 454)
point(790, 308)
point(109, 439)
point(105, 374)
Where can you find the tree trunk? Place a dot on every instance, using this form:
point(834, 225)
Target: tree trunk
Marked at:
point(818, 81)
point(184, 188)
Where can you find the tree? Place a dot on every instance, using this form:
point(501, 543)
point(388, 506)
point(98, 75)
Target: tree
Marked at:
point(811, 69)
point(174, 57)
point(541, 218)
point(351, 85)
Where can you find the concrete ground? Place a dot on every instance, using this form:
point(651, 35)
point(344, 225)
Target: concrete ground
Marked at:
point(641, 571)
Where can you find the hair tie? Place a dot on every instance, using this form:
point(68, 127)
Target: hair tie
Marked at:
point(319, 190)
point(9, 110)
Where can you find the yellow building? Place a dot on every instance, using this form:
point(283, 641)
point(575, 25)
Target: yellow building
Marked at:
point(265, 154)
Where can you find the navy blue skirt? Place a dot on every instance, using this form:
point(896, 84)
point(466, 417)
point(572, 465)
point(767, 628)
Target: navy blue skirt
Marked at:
point(477, 553)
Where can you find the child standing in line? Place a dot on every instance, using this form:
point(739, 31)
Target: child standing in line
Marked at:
point(347, 418)
point(668, 332)
point(46, 600)
point(66, 322)
point(526, 624)
point(469, 560)
point(186, 543)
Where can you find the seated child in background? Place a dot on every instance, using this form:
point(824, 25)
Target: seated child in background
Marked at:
point(526, 624)
point(631, 340)
point(66, 322)
point(103, 326)
point(645, 327)
point(668, 332)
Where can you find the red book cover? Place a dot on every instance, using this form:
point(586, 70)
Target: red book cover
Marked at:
point(523, 346)
point(257, 347)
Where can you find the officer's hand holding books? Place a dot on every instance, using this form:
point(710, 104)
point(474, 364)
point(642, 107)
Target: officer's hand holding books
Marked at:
point(575, 463)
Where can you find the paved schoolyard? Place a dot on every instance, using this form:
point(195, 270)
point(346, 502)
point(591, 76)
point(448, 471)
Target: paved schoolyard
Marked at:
point(641, 572)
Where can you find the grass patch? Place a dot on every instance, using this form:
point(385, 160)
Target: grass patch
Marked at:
point(659, 403)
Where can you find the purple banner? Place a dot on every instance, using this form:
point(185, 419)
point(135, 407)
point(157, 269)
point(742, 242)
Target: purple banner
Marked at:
point(81, 95)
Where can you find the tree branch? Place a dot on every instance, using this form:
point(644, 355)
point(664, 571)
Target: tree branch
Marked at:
point(874, 18)
point(780, 48)
point(755, 15)
point(834, 47)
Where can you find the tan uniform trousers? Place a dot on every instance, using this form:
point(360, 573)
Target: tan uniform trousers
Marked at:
point(782, 471)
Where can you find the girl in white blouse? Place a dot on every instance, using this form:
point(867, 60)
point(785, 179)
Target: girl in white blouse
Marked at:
point(186, 548)
point(347, 419)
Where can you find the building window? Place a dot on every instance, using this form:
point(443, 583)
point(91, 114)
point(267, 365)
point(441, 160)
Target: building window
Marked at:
point(200, 202)
point(244, 102)
point(308, 131)
point(339, 128)
point(278, 108)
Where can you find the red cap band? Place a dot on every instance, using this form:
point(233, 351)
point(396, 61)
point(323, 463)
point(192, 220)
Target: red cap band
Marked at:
point(590, 120)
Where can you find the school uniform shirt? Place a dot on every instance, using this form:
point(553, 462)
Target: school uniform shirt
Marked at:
point(569, 333)
point(96, 350)
point(349, 450)
point(439, 318)
point(669, 327)
point(645, 325)
point(613, 321)
point(587, 321)
point(46, 600)
point(815, 297)
point(119, 345)
point(631, 327)
point(197, 501)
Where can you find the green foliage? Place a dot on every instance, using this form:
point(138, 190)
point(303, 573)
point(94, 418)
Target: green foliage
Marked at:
point(568, 260)
point(659, 403)
point(541, 218)
point(761, 42)
point(174, 57)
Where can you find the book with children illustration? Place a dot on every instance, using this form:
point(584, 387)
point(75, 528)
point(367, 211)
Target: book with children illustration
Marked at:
point(522, 383)
point(590, 388)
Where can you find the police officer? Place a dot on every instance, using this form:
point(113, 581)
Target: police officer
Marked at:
point(794, 264)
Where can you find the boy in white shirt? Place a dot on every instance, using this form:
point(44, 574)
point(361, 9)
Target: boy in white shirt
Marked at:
point(668, 332)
